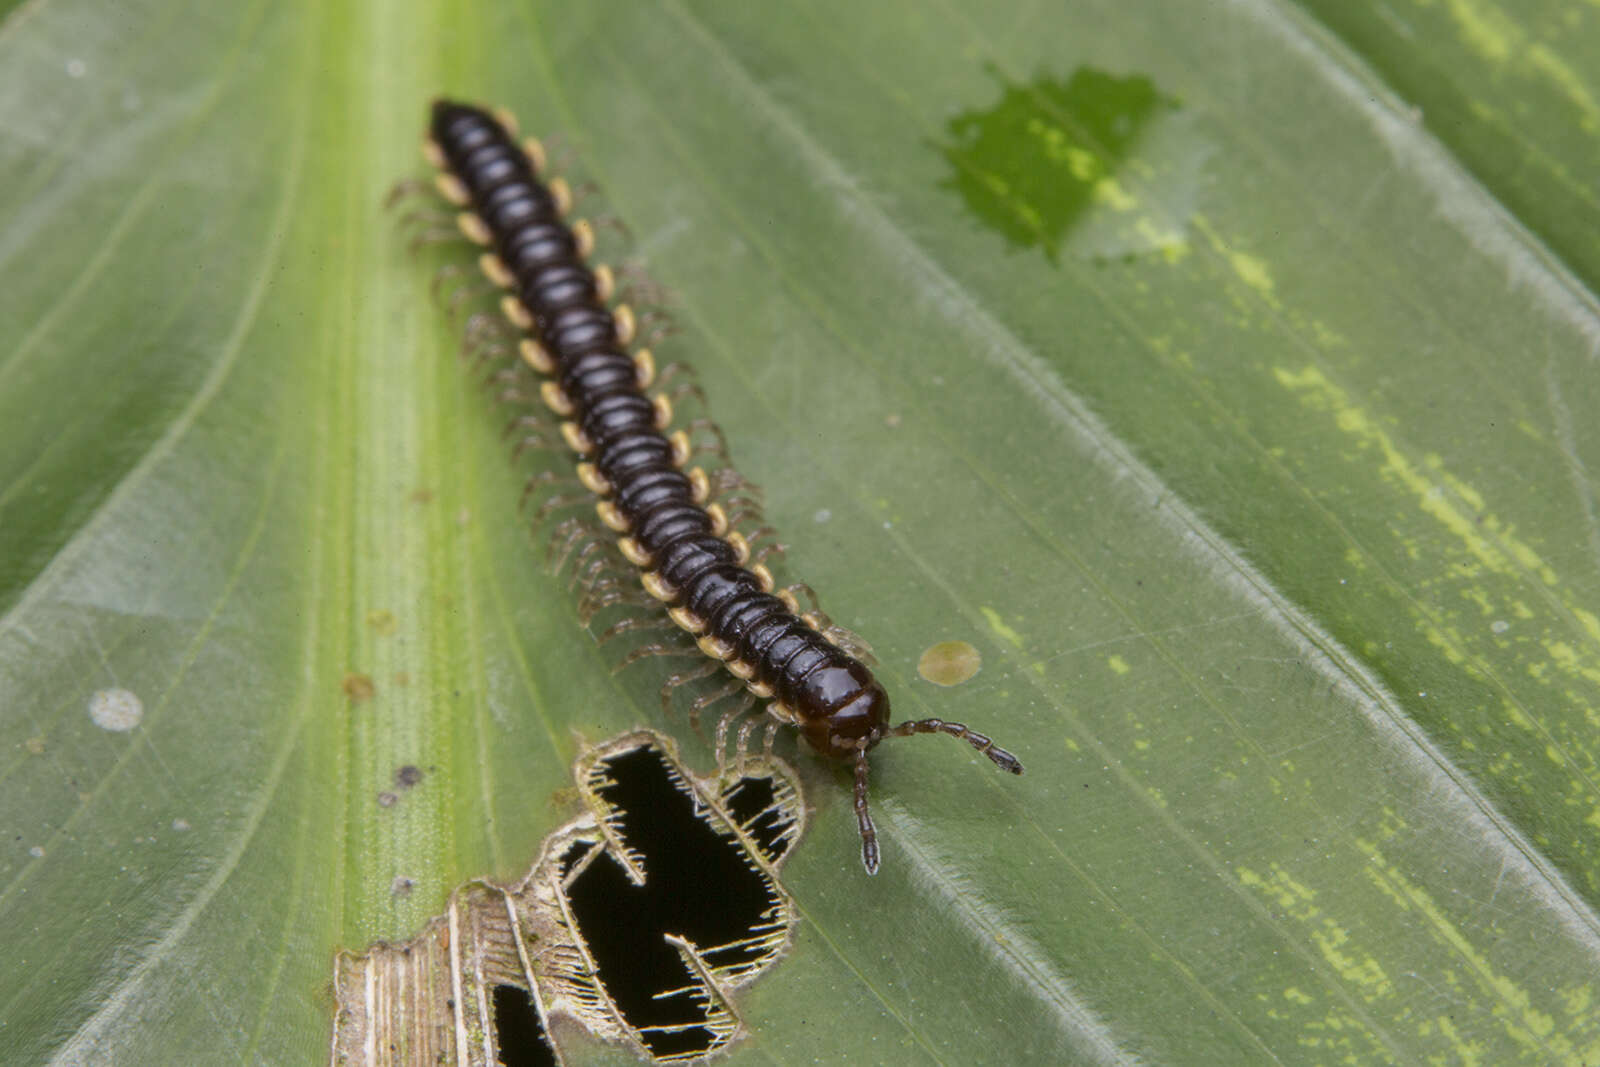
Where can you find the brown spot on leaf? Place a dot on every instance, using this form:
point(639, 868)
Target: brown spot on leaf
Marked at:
point(358, 687)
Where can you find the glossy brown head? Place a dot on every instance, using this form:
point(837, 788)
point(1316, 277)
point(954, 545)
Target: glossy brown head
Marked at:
point(842, 709)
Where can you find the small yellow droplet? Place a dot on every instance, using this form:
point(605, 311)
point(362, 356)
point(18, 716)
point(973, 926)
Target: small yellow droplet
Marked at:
point(949, 662)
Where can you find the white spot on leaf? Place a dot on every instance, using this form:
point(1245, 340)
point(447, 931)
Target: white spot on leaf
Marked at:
point(119, 710)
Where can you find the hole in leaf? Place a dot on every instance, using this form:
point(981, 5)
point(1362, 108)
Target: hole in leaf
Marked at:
point(518, 1030)
point(639, 920)
point(699, 886)
point(754, 805)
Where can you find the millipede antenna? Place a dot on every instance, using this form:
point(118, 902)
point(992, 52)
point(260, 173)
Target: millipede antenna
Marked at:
point(1002, 759)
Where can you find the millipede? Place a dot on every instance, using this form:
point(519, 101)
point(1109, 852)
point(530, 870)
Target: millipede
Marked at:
point(567, 322)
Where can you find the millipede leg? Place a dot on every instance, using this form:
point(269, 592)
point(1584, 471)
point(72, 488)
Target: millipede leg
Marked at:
point(745, 502)
point(681, 390)
point(744, 743)
point(591, 606)
point(514, 397)
point(407, 187)
point(484, 352)
point(851, 642)
point(535, 419)
point(559, 503)
point(761, 554)
point(1002, 759)
point(603, 571)
point(650, 317)
point(743, 512)
point(587, 570)
point(773, 547)
point(703, 425)
point(539, 441)
point(635, 624)
point(481, 344)
point(676, 369)
point(614, 224)
point(705, 670)
point(647, 651)
point(770, 736)
point(558, 154)
point(461, 294)
point(643, 292)
point(801, 589)
point(705, 700)
point(487, 324)
point(509, 382)
point(508, 375)
point(818, 620)
point(568, 535)
point(603, 591)
point(659, 332)
point(437, 235)
point(726, 721)
point(425, 217)
point(605, 586)
point(635, 272)
point(474, 348)
point(542, 481)
point(762, 533)
point(728, 480)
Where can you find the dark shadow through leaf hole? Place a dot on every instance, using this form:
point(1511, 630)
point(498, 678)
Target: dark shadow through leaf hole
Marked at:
point(518, 1031)
point(699, 886)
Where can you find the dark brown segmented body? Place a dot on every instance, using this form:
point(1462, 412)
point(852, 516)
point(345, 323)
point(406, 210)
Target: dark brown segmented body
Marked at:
point(686, 560)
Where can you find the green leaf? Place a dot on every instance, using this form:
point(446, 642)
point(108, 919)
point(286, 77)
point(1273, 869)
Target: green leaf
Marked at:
point(1222, 372)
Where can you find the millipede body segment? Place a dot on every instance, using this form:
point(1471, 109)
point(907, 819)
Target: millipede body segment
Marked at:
point(658, 506)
